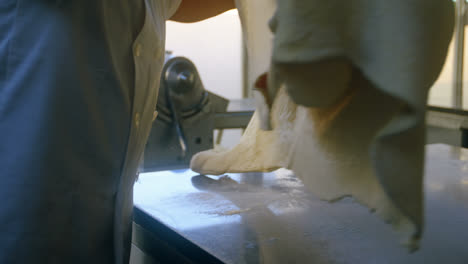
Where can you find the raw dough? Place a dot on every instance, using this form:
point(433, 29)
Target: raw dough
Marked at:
point(361, 71)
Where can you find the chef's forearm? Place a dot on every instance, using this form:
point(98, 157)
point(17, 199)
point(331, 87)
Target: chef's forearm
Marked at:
point(197, 10)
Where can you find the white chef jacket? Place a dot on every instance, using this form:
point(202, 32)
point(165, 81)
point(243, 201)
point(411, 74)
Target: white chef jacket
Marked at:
point(148, 52)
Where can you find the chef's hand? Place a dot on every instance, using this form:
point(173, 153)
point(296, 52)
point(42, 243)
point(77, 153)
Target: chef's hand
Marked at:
point(197, 10)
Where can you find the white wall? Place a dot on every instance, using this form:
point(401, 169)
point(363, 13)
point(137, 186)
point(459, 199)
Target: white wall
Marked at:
point(441, 91)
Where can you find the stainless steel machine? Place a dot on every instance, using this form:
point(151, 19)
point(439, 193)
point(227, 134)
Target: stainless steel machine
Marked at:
point(187, 117)
point(184, 125)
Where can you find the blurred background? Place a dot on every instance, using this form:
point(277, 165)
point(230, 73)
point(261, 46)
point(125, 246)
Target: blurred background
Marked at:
point(215, 46)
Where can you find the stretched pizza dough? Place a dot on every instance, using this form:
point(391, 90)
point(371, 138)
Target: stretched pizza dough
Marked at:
point(348, 85)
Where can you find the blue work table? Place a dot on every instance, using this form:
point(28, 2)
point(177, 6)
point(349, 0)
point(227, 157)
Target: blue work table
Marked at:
point(272, 218)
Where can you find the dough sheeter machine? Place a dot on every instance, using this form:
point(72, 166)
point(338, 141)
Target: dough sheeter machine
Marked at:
point(183, 217)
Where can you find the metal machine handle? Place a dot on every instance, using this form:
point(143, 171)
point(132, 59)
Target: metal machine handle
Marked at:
point(176, 119)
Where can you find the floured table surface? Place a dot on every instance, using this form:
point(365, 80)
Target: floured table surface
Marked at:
point(271, 218)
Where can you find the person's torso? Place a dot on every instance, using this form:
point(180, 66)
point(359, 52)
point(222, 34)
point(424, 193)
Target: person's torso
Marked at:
point(78, 88)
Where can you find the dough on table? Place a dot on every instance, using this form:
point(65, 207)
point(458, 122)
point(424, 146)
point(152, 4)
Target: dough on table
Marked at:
point(344, 105)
